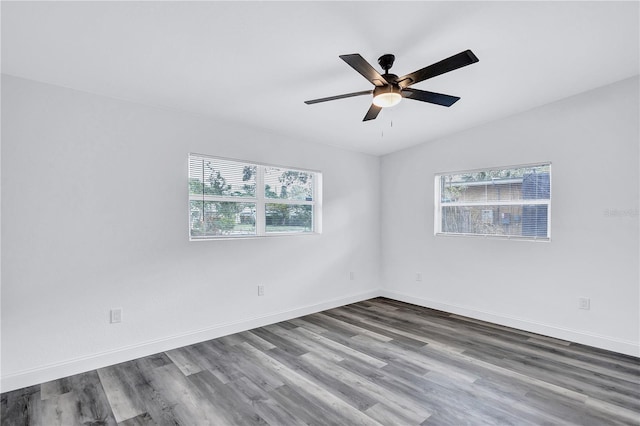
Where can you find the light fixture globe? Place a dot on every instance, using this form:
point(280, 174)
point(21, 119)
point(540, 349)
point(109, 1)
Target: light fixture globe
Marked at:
point(387, 96)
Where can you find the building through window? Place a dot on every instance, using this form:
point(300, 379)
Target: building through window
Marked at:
point(513, 202)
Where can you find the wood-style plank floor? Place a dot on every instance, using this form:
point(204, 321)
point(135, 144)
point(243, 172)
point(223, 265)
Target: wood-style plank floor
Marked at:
point(377, 362)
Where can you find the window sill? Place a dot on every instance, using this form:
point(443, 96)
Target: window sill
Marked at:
point(256, 237)
point(495, 237)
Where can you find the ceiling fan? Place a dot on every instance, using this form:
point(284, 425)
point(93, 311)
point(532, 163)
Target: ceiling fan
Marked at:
point(390, 89)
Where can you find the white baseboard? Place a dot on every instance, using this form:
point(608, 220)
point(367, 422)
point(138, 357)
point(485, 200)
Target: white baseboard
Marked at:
point(598, 341)
point(70, 367)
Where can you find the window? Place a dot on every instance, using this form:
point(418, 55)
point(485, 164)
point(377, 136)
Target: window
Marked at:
point(229, 198)
point(512, 202)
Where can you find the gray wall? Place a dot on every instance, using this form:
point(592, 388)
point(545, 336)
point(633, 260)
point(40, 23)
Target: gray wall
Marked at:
point(592, 142)
point(95, 216)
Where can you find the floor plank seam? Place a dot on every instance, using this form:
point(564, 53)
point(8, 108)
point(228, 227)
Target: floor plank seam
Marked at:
point(376, 362)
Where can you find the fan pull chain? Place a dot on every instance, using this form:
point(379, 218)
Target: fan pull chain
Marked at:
point(382, 131)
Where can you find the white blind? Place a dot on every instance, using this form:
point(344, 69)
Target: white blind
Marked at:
point(511, 202)
point(231, 198)
point(222, 198)
point(216, 177)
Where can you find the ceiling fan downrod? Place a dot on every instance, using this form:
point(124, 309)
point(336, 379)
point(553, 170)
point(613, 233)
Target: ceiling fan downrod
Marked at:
point(386, 62)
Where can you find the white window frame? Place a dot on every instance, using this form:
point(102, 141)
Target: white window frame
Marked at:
point(261, 201)
point(438, 204)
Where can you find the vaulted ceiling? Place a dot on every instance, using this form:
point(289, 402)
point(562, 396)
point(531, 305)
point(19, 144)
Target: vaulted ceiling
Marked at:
point(254, 63)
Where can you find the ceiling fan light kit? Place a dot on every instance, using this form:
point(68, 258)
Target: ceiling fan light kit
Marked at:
point(390, 89)
point(387, 96)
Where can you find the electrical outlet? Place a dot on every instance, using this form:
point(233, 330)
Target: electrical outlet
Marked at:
point(584, 303)
point(260, 290)
point(352, 275)
point(418, 276)
point(115, 315)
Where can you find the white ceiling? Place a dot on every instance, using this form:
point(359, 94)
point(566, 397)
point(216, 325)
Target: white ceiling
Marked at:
point(255, 63)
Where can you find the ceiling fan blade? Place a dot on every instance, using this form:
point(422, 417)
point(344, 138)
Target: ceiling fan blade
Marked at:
point(359, 64)
point(431, 97)
point(454, 62)
point(333, 98)
point(373, 112)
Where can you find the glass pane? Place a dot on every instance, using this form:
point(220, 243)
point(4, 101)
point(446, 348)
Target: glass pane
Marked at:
point(524, 183)
point(527, 220)
point(212, 176)
point(289, 218)
point(288, 184)
point(221, 219)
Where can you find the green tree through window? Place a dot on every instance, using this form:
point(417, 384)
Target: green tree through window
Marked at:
point(225, 200)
